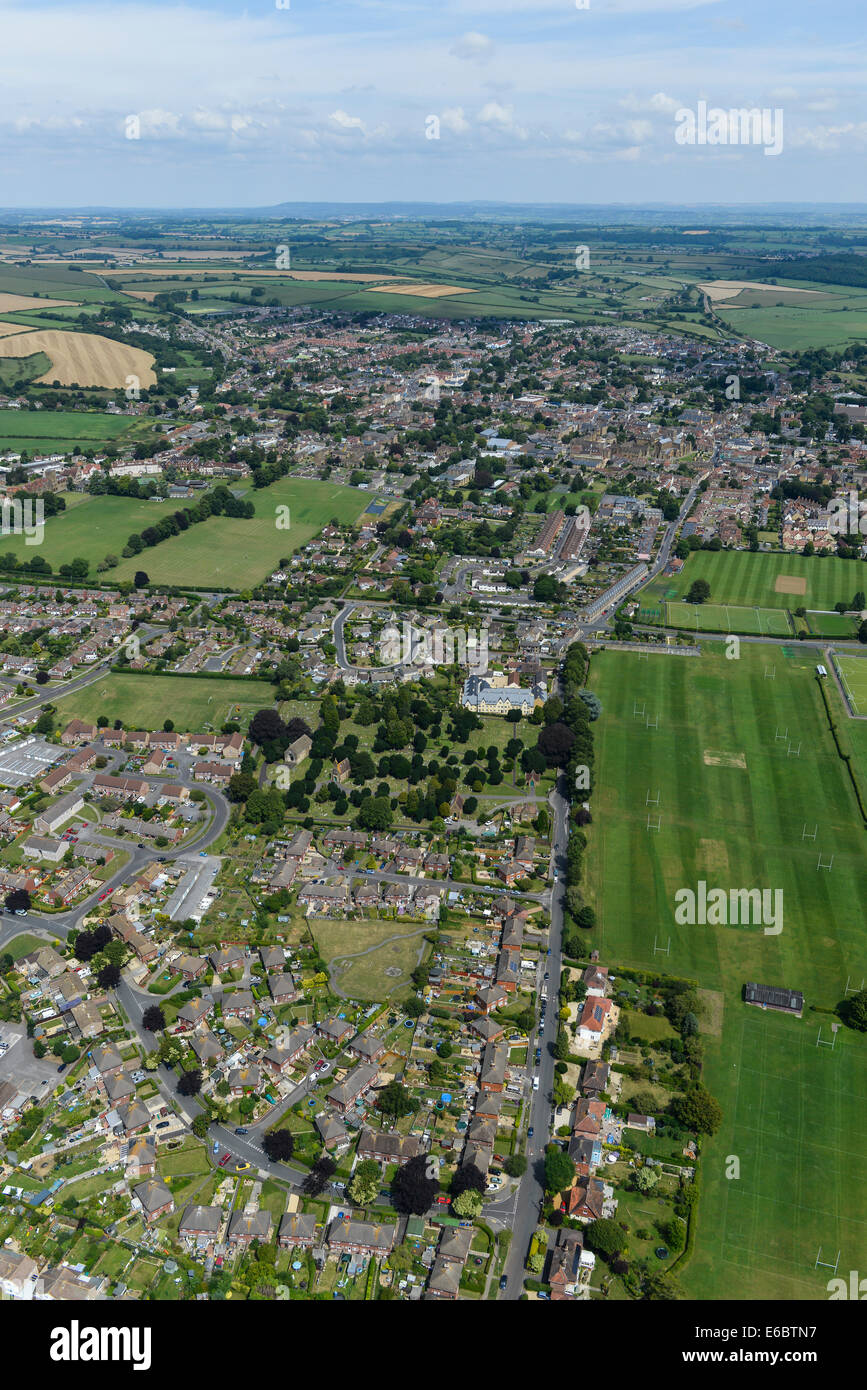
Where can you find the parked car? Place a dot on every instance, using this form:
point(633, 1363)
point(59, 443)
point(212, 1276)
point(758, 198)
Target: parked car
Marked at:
point(530, 1132)
point(224, 1160)
point(163, 1124)
point(62, 1067)
point(241, 1165)
point(240, 1131)
point(504, 1281)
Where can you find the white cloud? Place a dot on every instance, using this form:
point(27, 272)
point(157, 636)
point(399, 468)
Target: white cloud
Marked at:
point(474, 46)
point(453, 119)
point(347, 122)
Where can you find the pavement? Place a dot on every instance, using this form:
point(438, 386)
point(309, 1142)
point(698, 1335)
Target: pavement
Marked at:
point(19, 1065)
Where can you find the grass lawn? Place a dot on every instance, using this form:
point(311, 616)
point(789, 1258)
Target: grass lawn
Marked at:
point(235, 553)
point(647, 1028)
point(365, 962)
point(142, 1275)
point(853, 673)
point(795, 1115)
point(191, 1161)
point(739, 577)
point(143, 702)
point(733, 807)
point(720, 617)
point(92, 527)
point(23, 945)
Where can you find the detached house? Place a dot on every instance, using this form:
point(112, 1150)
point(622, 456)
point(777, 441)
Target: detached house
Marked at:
point(155, 1198)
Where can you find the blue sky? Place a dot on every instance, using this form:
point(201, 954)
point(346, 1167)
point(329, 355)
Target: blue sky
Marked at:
point(536, 100)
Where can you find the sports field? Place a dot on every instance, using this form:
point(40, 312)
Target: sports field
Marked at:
point(234, 554)
point(93, 527)
point(765, 580)
point(853, 673)
point(796, 1119)
point(743, 767)
point(723, 617)
point(143, 702)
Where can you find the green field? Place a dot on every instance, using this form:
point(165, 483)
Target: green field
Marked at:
point(234, 554)
point(745, 580)
point(721, 617)
point(56, 430)
point(831, 320)
point(853, 673)
point(734, 806)
point(143, 702)
point(795, 1119)
point(92, 527)
point(370, 959)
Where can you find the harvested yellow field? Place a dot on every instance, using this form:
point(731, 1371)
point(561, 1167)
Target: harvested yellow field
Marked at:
point(84, 358)
point(227, 271)
point(7, 328)
point(11, 303)
point(424, 291)
point(729, 289)
point(334, 275)
point(141, 294)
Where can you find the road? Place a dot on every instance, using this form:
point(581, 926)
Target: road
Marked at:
point(522, 1208)
point(60, 923)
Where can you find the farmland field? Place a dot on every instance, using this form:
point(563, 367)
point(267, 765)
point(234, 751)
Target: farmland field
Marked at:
point(836, 318)
point(53, 430)
point(194, 703)
point(734, 804)
point(85, 359)
point(233, 553)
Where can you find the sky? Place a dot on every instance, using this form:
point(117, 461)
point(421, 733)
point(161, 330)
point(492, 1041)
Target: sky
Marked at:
point(216, 103)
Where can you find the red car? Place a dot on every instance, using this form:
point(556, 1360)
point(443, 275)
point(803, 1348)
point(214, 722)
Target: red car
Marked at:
point(224, 1160)
point(443, 1200)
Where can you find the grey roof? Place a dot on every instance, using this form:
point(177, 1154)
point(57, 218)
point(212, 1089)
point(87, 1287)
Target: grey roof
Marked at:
point(254, 1225)
point(375, 1237)
point(153, 1194)
point(201, 1220)
point(775, 997)
point(297, 1226)
point(445, 1276)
